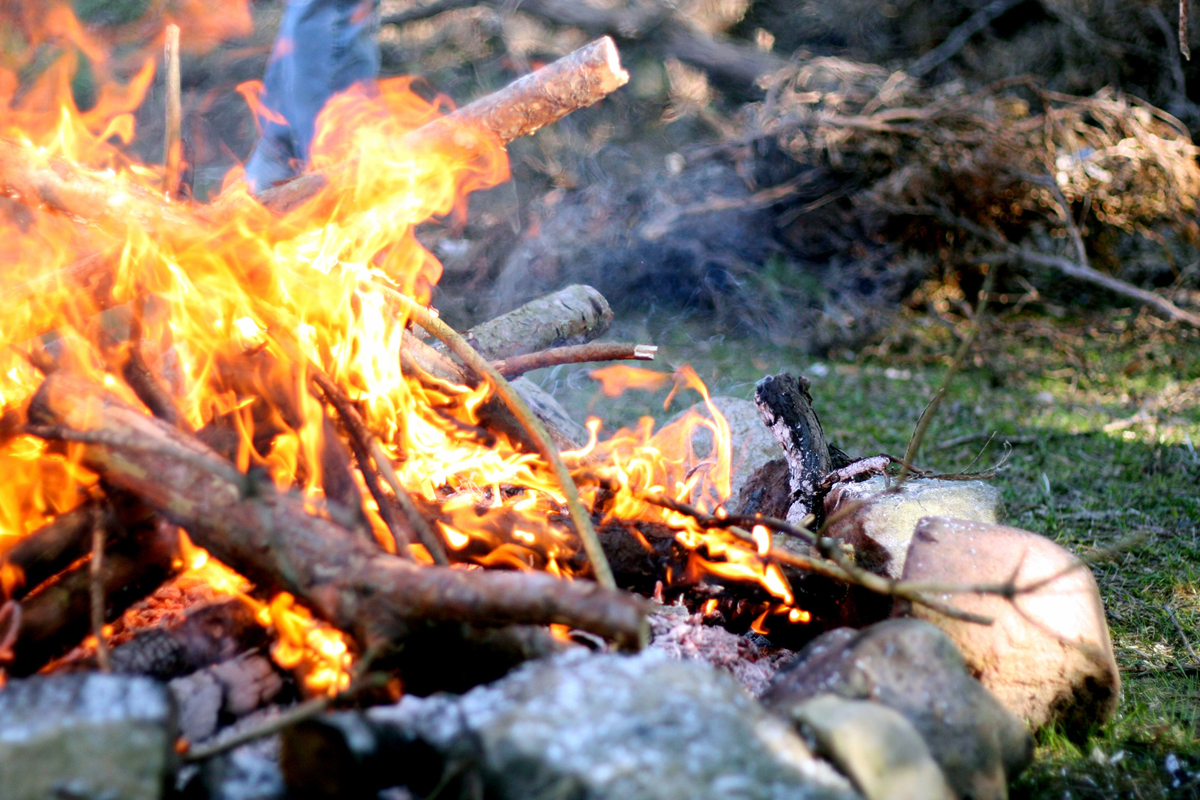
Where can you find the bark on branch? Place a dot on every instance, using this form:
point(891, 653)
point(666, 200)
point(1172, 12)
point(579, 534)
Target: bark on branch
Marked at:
point(579, 354)
point(575, 81)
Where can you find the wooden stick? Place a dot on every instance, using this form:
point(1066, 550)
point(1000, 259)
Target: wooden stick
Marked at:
point(51, 548)
point(578, 354)
point(172, 135)
point(269, 536)
point(56, 616)
point(579, 516)
point(834, 564)
point(786, 408)
point(67, 538)
point(521, 108)
point(575, 81)
point(96, 591)
point(111, 205)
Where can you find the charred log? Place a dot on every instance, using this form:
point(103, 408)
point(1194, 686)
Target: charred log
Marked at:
point(786, 408)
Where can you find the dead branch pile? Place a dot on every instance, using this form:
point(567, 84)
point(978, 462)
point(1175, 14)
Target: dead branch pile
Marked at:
point(996, 154)
point(1003, 167)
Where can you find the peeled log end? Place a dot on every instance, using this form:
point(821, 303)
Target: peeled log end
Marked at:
point(574, 81)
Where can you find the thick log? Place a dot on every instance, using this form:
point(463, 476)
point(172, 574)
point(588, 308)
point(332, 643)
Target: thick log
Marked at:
point(571, 316)
point(57, 616)
point(96, 196)
point(575, 81)
point(51, 548)
point(786, 408)
point(270, 538)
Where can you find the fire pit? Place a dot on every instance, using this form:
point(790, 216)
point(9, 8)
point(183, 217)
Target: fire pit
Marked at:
point(239, 427)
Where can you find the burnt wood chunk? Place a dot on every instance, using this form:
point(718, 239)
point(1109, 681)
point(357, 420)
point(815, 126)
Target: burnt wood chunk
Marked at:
point(786, 408)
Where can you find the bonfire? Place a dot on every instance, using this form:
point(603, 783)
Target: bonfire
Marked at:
point(242, 394)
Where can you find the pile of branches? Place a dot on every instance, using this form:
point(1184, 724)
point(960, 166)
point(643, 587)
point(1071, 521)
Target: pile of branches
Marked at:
point(1003, 172)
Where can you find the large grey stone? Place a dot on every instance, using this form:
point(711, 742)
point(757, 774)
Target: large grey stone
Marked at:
point(883, 525)
point(876, 746)
point(1047, 656)
point(751, 442)
point(617, 727)
point(93, 736)
point(912, 667)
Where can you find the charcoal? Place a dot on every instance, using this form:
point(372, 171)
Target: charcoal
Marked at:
point(207, 635)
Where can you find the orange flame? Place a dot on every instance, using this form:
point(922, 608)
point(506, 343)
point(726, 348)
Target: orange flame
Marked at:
point(231, 304)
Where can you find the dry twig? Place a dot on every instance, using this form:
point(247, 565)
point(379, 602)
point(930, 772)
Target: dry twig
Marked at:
point(960, 357)
point(361, 440)
point(96, 576)
point(173, 133)
point(578, 354)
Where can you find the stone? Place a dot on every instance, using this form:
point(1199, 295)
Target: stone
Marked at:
point(875, 746)
point(766, 491)
point(883, 526)
point(248, 772)
point(86, 735)
point(612, 727)
point(1048, 656)
point(914, 668)
point(751, 442)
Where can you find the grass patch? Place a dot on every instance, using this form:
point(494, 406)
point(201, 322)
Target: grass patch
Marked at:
point(1103, 417)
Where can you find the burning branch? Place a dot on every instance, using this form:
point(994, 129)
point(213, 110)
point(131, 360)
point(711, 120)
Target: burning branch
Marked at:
point(575, 81)
point(578, 354)
point(173, 135)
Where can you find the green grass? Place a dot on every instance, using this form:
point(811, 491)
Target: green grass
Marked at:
point(1104, 420)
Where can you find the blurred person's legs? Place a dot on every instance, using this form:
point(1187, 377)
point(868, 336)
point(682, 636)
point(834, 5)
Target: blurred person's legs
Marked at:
point(323, 47)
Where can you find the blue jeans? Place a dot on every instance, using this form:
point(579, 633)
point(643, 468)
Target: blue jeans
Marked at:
point(323, 47)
